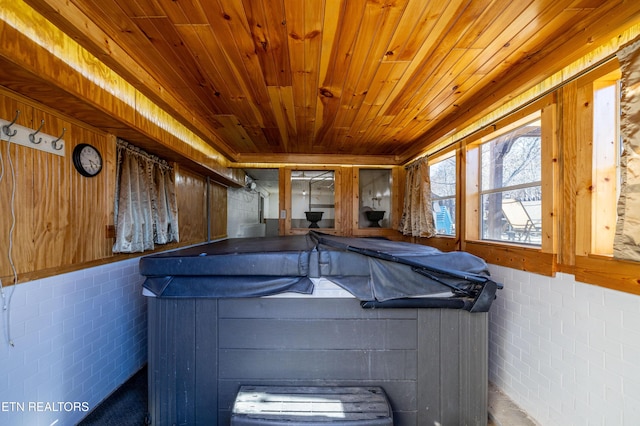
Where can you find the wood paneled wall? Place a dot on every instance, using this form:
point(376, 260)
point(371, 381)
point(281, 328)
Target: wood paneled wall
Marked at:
point(218, 211)
point(62, 218)
point(191, 194)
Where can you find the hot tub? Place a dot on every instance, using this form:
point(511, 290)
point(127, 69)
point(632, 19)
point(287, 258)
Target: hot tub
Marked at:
point(317, 310)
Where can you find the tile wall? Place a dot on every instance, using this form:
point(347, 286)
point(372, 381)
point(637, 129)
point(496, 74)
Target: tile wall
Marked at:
point(568, 353)
point(77, 337)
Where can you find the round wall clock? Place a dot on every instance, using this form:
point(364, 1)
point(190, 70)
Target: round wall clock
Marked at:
point(87, 160)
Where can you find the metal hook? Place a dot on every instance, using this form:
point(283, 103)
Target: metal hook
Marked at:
point(32, 136)
point(7, 127)
point(55, 142)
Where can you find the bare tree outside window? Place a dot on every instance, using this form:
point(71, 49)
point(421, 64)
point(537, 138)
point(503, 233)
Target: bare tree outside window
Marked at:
point(510, 176)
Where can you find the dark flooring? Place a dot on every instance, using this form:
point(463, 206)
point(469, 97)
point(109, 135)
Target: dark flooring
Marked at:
point(127, 406)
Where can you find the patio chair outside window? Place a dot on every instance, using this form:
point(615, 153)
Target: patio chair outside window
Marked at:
point(523, 218)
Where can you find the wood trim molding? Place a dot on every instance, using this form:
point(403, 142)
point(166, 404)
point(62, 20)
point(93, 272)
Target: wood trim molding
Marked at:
point(511, 256)
point(608, 272)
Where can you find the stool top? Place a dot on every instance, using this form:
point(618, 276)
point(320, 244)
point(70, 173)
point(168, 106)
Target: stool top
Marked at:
point(310, 405)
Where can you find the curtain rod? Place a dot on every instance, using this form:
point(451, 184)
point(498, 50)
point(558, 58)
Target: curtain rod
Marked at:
point(531, 101)
point(122, 144)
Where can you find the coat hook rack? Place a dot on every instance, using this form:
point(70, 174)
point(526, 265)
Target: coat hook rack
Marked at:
point(54, 143)
point(7, 127)
point(32, 136)
point(16, 134)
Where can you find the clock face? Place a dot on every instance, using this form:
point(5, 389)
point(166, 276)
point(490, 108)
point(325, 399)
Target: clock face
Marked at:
point(87, 160)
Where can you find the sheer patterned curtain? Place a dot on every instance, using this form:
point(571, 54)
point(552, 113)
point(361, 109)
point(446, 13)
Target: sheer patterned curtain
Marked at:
point(417, 214)
point(626, 243)
point(146, 210)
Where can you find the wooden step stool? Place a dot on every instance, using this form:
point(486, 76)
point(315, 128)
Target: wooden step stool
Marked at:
point(311, 406)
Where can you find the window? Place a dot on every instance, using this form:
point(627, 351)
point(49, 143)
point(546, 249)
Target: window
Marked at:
point(607, 148)
point(602, 115)
point(442, 173)
point(312, 199)
point(375, 198)
point(511, 189)
point(510, 193)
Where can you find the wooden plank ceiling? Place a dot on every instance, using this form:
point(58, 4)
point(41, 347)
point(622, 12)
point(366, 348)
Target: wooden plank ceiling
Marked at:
point(278, 80)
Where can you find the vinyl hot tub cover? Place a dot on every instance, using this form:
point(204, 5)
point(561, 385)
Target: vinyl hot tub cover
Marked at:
point(379, 272)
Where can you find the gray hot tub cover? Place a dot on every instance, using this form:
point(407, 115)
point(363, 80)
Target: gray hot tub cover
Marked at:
point(379, 272)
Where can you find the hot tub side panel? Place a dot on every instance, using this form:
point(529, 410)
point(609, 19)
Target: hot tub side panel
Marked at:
point(184, 336)
point(453, 369)
point(432, 363)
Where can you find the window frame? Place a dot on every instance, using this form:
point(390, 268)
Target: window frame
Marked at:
point(337, 176)
point(540, 259)
point(588, 235)
point(443, 156)
point(396, 181)
point(588, 266)
point(483, 192)
point(363, 223)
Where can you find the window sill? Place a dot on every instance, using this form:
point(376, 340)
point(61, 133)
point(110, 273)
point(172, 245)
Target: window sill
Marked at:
point(442, 242)
point(530, 259)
